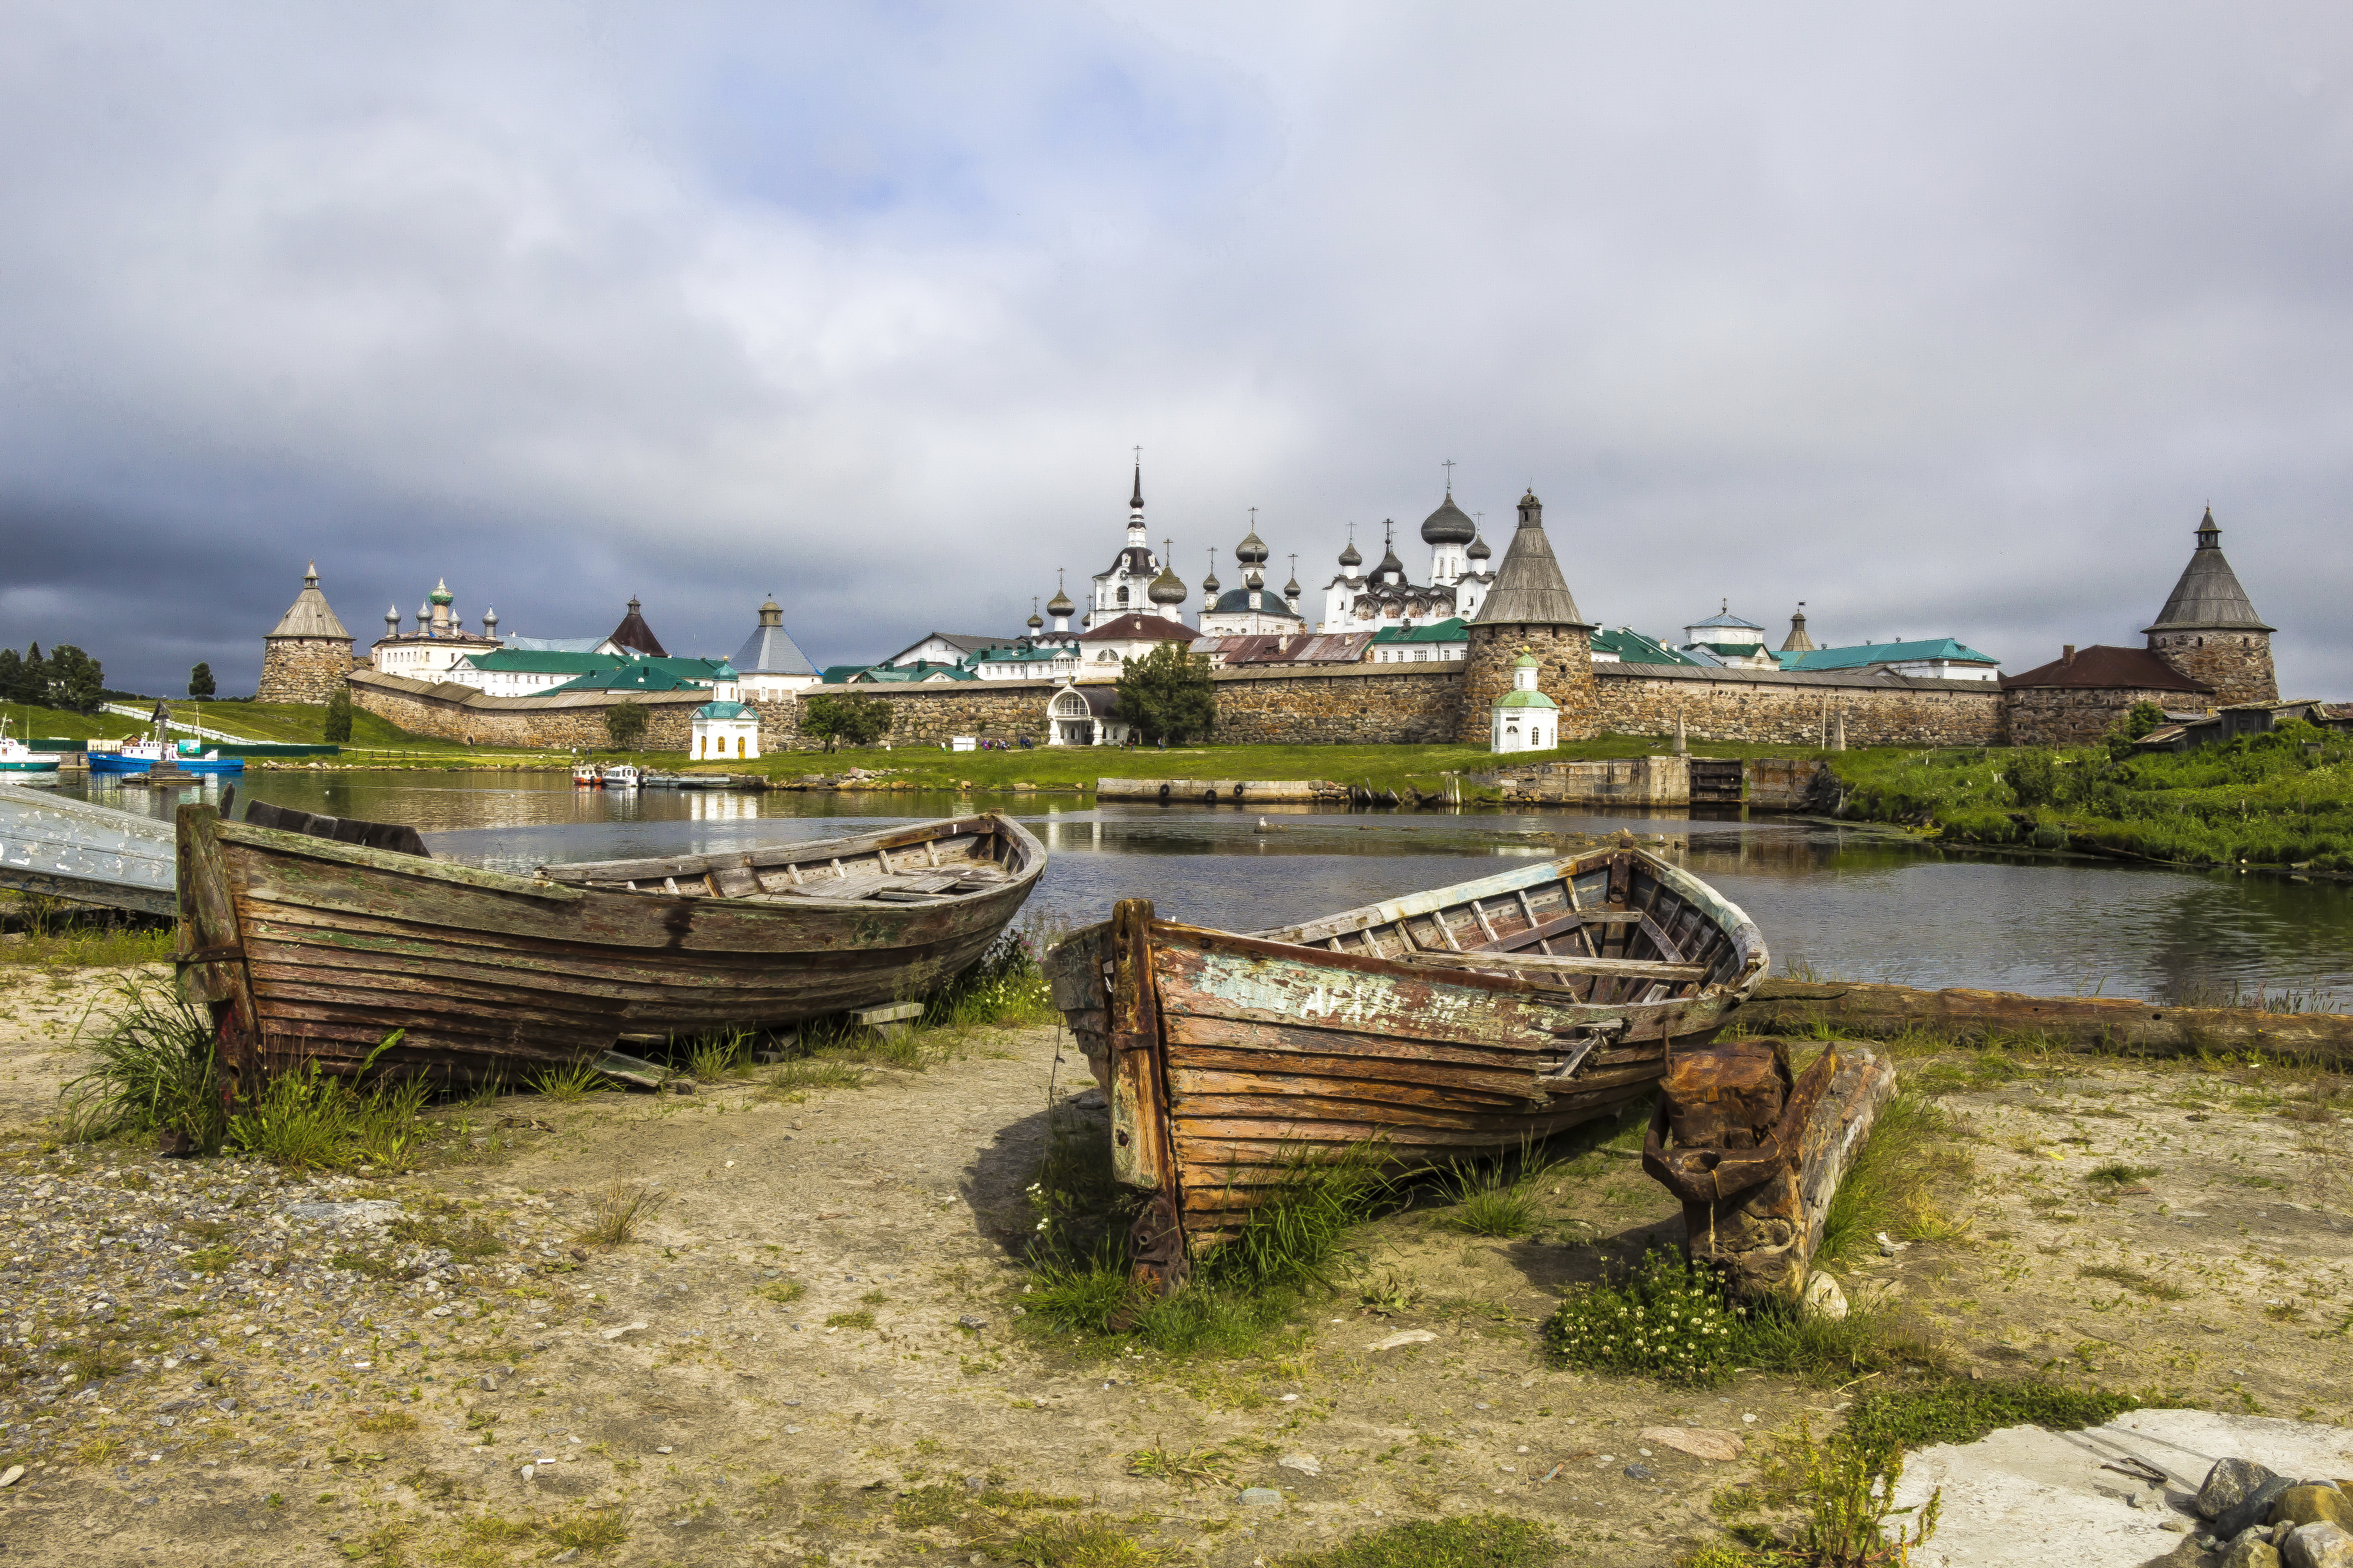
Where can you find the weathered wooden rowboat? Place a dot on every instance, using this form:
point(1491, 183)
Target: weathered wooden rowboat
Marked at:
point(312, 945)
point(1447, 1024)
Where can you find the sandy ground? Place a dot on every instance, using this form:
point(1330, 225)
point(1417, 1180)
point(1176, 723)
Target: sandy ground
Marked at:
point(672, 1407)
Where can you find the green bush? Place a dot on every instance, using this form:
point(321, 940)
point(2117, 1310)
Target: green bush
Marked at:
point(156, 1070)
point(1667, 1318)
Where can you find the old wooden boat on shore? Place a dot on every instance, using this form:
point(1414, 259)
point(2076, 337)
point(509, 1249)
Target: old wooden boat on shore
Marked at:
point(1451, 1023)
point(313, 938)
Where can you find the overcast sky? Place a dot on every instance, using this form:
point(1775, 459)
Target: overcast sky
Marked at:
point(1944, 320)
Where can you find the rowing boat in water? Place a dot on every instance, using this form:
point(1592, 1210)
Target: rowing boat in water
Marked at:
point(1456, 1022)
point(313, 938)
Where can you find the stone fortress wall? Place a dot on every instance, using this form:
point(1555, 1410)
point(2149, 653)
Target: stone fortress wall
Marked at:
point(302, 669)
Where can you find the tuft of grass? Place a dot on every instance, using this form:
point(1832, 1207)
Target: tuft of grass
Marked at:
point(623, 1208)
point(1088, 1540)
point(1208, 1465)
point(1472, 1541)
point(384, 1423)
point(157, 1071)
point(1296, 1236)
point(861, 1318)
point(469, 1243)
point(783, 1292)
point(586, 1529)
point(308, 1120)
point(2118, 1173)
point(1958, 1411)
point(1005, 988)
point(1490, 1202)
point(720, 1055)
point(1897, 1180)
point(797, 1075)
point(2134, 1279)
point(566, 1084)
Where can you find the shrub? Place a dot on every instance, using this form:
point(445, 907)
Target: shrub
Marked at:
point(1168, 695)
point(157, 1071)
point(1668, 1318)
point(336, 727)
point(310, 1120)
point(625, 725)
point(850, 718)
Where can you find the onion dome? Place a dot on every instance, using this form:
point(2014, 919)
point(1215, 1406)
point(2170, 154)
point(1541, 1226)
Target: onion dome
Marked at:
point(1037, 623)
point(1291, 589)
point(1479, 550)
point(1251, 551)
point(1449, 524)
point(1059, 604)
point(1390, 564)
point(1350, 558)
point(1167, 589)
point(490, 623)
point(1209, 584)
point(392, 620)
point(441, 594)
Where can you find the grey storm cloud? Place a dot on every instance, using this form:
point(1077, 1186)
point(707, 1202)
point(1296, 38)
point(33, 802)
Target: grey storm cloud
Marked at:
point(1947, 321)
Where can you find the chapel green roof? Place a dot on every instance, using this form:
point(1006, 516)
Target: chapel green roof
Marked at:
point(1453, 629)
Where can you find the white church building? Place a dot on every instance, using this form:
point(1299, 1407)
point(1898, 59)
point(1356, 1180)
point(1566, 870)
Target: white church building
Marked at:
point(1460, 579)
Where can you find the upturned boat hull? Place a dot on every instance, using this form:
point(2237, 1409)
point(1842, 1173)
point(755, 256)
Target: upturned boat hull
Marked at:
point(1453, 1023)
point(311, 950)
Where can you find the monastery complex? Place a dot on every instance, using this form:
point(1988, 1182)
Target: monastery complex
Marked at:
point(1480, 651)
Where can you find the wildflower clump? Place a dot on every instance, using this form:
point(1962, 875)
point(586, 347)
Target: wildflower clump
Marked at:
point(1667, 1318)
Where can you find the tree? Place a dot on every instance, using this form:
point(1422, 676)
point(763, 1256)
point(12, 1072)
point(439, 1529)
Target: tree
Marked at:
point(2142, 718)
point(75, 679)
point(1167, 694)
point(33, 682)
point(845, 717)
point(625, 722)
point(337, 727)
point(200, 682)
point(12, 687)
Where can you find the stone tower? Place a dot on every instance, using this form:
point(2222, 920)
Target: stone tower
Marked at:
point(309, 656)
point(1529, 608)
point(2211, 632)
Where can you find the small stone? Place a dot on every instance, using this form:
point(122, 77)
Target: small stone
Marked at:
point(2311, 1504)
point(1700, 1442)
point(1262, 1496)
point(1823, 1296)
point(2230, 1483)
point(1640, 1473)
point(972, 1320)
point(529, 1471)
point(662, 1450)
point(579, 1255)
point(1305, 1463)
point(975, 1484)
point(12, 1475)
point(2319, 1545)
point(1402, 1337)
point(488, 1383)
point(566, 1556)
point(616, 1333)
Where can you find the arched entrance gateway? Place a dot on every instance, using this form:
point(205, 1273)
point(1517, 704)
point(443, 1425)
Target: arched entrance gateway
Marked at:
point(1080, 715)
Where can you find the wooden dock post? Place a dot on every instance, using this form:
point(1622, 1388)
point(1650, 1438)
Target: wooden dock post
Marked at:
point(1755, 1153)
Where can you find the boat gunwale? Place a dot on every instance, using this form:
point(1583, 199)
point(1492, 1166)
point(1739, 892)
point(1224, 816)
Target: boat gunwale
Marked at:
point(776, 856)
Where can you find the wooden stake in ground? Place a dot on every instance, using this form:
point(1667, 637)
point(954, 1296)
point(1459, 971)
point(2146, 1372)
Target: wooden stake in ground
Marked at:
point(1755, 1153)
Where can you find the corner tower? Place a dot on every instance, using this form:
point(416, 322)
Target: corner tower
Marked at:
point(1530, 608)
point(307, 658)
point(2209, 631)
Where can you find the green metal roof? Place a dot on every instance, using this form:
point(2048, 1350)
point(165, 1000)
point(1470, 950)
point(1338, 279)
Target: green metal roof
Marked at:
point(1455, 628)
point(881, 673)
point(527, 663)
point(1886, 653)
point(720, 711)
point(653, 676)
point(1632, 647)
point(1516, 699)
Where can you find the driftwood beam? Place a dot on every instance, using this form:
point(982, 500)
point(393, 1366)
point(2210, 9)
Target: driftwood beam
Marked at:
point(2082, 1024)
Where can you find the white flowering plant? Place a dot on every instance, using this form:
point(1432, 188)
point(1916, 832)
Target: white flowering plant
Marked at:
point(1667, 1318)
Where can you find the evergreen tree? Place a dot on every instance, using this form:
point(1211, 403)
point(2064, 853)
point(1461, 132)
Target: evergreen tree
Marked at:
point(1167, 694)
point(625, 722)
point(36, 676)
point(337, 728)
point(13, 688)
point(845, 717)
point(75, 679)
point(200, 682)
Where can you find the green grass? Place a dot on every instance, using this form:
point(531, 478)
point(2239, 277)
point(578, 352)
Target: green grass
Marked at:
point(621, 1210)
point(861, 1318)
point(1379, 767)
point(2134, 1280)
point(1963, 1411)
point(1896, 1182)
point(2280, 799)
point(307, 1120)
point(61, 935)
point(2119, 1174)
point(156, 1070)
point(1471, 1540)
point(302, 723)
point(26, 721)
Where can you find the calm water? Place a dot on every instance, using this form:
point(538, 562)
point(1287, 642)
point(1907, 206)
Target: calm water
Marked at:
point(1851, 903)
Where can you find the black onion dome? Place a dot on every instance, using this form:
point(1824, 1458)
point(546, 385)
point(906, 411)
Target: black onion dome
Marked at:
point(1389, 563)
point(1251, 551)
point(1449, 524)
point(1479, 550)
point(1349, 557)
point(1167, 589)
point(1210, 583)
point(1291, 589)
point(1036, 620)
point(1059, 604)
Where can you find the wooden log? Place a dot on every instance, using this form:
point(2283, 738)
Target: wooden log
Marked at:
point(1764, 1237)
point(2079, 1024)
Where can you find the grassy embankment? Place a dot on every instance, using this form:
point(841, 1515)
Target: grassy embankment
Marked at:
point(1398, 768)
point(2279, 800)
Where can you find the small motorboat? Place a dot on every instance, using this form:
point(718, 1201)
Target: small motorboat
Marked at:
point(18, 759)
point(187, 756)
point(584, 773)
point(1464, 1022)
point(618, 776)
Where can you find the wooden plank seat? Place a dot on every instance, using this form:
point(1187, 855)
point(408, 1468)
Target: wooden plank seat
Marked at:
point(1535, 965)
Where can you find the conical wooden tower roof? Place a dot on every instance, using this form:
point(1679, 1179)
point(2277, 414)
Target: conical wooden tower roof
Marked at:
point(311, 615)
point(2209, 597)
point(1529, 589)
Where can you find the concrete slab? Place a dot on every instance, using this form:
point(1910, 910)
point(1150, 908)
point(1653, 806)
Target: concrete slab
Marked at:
point(2024, 1495)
